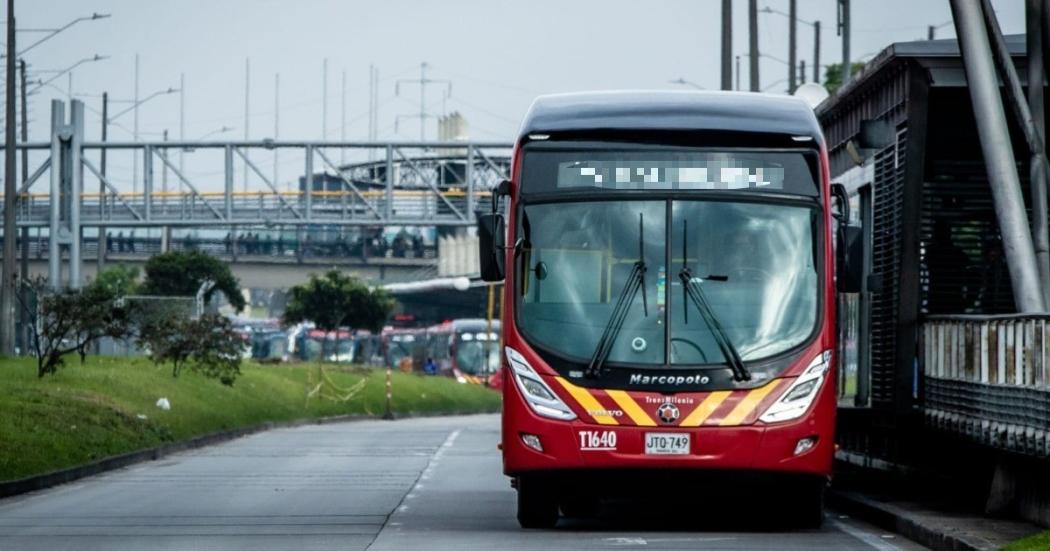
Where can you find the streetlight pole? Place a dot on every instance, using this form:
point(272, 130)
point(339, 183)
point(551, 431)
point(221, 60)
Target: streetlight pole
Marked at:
point(103, 238)
point(727, 44)
point(792, 39)
point(9, 273)
point(792, 16)
point(847, 65)
point(752, 39)
point(24, 267)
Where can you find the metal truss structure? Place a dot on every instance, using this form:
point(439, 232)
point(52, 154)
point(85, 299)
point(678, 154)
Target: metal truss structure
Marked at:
point(404, 184)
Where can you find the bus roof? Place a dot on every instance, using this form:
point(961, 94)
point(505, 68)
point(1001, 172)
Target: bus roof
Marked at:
point(745, 112)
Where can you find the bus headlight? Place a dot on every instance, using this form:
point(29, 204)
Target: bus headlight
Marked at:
point(796, 401)
point(540, 397)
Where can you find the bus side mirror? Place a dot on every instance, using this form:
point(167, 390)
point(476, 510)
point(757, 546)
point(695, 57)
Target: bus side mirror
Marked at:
point(849, 259)
point(491, 244)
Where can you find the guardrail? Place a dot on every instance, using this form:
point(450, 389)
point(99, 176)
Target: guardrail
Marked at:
point(987, 379)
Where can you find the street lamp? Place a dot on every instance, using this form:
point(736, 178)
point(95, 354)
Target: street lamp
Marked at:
point(685, 82)
point(135, 104)
point(135, 132)
point(222, 130)
point(52, 32)
point(59, 72)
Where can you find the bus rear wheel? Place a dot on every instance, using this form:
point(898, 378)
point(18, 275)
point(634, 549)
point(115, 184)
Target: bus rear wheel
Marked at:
point(537, 503)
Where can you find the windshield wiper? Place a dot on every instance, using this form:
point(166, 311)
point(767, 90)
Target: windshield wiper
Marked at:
point(692, 290)
point(635, 281)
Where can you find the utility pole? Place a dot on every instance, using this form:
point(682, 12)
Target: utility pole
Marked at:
point(324, 99)
point(164, 173)
point(792, 40)
point(816, 51)
point(847, 65)
point(276, 121)
point(135, 131)
point(103, 239)
point(182, 125)
point(24, 267)
point(727, 44)
point(998, 154)
point(9, 272)
point(342, 119)
point(752, 40)
point(247, 113)
point(737, 73)
point(423, 82)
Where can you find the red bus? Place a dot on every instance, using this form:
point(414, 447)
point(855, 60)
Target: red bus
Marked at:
point(466, 349)
point(670, 301)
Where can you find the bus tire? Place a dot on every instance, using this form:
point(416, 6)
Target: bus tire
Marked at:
point(537, 503)
point(577, 506)
point(808, 511)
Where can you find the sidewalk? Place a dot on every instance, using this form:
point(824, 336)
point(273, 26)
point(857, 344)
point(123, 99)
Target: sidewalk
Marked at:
point(934, 525)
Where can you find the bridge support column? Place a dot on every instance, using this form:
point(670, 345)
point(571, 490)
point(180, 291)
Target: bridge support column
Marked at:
point(165, 239)
point(67, 173)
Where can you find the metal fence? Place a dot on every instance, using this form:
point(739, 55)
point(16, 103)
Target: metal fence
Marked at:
point(987, 379)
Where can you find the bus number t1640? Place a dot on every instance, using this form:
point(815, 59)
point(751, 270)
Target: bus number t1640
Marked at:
point(597, 440)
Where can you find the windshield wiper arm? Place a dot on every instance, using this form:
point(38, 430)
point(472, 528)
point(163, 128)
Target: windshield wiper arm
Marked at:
point(692, 290)
point(635, 281)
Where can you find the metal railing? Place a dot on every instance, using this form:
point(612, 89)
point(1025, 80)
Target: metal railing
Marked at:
point(390, 184)
point(987, 379)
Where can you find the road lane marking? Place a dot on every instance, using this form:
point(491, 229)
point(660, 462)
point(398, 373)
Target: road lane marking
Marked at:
point(872, 540)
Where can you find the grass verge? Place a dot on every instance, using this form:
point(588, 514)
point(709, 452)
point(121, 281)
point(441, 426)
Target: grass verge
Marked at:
point(88, 412)
point(1039, 541)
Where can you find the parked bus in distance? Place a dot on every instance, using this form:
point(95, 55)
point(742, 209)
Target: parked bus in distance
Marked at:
point(466, 349)
point(403, 348)
point(670, 301)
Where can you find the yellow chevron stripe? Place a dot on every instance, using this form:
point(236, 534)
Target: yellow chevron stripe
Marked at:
point(741, 411)
point(629, 406)
point(589, 402)
point(706, 408)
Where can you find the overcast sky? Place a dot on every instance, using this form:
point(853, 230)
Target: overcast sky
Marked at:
point(498, 54)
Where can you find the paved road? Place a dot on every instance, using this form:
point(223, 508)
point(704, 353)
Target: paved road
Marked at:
point(410, 484)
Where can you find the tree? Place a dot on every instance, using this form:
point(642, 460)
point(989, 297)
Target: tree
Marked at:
point(181, 273)
point(833, 75)
point(335, 300)
point(70, 320)
point(118, 280)
point(208, 345)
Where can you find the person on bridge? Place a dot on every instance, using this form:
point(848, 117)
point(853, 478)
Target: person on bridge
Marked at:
point(131, 241)
point(120, 241)
point(228, 242)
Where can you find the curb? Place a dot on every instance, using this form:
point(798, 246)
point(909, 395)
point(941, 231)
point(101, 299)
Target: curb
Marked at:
point(912, 527)
point(56, 478)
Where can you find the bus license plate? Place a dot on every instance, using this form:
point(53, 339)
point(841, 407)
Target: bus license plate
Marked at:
point(665, 443)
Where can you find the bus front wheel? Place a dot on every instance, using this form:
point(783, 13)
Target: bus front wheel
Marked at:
point(537, 503)
point(808, 507)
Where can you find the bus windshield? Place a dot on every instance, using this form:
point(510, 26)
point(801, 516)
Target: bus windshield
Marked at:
point(755, 262)
point(477, 353)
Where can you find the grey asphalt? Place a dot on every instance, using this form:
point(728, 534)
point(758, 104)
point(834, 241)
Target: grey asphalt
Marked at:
point(431, 483)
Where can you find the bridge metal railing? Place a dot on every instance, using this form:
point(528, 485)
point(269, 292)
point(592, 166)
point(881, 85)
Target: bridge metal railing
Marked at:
point(235, 184)
point(987, 379)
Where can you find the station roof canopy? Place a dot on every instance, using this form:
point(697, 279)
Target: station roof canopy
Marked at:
point(680, 111)
point(939, 57)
